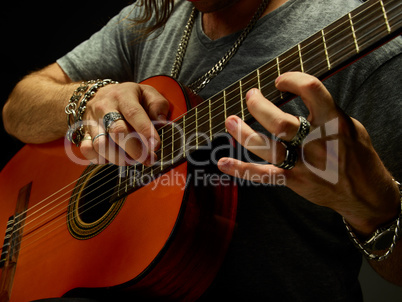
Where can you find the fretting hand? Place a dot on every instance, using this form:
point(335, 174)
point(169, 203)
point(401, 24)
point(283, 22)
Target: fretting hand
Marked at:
point(346, 176)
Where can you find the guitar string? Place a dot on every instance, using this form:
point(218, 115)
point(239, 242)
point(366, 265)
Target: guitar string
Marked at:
point(70, 184)
point(363, 11)
point(167, 156)
point(62, 210)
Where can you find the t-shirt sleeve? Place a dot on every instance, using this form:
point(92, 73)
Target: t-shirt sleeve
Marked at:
point(107, 53)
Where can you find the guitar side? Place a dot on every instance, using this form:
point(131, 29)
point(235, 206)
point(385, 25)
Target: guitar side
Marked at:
point(165, 241)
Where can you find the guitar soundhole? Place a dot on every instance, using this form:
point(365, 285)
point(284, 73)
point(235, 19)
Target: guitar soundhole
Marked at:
point(90, 210)
point(95, 198)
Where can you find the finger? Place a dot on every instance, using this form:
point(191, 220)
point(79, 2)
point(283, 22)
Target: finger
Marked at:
point(313, 93)
point(137, 118)
point(87, 149)
point(145, 105)
point(133, 143)
point(101, 149)
point(267, 174)
point(258, 143)
point(155, 104)
point(273, 119)
point(107, 151)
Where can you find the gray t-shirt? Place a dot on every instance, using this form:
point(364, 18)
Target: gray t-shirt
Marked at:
point(284, 247)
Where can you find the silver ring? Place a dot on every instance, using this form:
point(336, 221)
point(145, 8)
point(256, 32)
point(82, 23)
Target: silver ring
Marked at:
point(110, 118)
point(302, 132)
point(290, 159)
point(97, 136)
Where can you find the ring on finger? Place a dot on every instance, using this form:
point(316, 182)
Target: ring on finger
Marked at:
point(302, 132)
point(97, 136)
point(110, 118)
point(290, 159)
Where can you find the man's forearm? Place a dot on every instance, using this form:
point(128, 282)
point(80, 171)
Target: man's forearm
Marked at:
point(34, 112)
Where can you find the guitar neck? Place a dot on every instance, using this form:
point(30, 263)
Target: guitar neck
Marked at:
point(339, 44)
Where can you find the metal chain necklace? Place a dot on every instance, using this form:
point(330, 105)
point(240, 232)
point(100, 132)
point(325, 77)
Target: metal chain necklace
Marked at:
point(200, 83)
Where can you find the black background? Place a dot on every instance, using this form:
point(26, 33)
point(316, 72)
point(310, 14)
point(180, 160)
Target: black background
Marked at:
point(37, 33)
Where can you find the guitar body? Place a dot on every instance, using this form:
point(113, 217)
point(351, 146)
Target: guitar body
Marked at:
point(165, 241)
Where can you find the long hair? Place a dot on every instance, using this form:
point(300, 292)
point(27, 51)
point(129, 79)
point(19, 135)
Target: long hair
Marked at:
point(161, 9)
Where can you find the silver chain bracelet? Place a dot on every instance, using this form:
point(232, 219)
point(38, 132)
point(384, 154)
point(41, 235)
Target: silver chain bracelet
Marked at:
point(382, 239)
point(75, 133)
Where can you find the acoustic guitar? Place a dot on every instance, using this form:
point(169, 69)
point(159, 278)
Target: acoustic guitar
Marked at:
point(75, 229)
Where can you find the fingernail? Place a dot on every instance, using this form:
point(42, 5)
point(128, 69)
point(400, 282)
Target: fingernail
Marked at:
point(277, 79)
point(251, 92)
point(224, 164)
point(231, 124)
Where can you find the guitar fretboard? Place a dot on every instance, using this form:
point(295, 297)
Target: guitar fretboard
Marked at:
point(350, 37)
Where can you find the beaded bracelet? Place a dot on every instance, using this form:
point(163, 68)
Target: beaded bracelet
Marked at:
point(370, 245)
point(75, 133)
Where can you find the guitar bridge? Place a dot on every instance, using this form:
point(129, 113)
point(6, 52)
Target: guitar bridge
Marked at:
point(6, 252)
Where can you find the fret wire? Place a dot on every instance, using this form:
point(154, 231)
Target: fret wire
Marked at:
point(278, 70)
point(385, 17)
point(325, 49)
point(353, 32)
point(279, 74)
point(301, 59)
point(258, 79)
point(390, 13)
point(241, 99)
